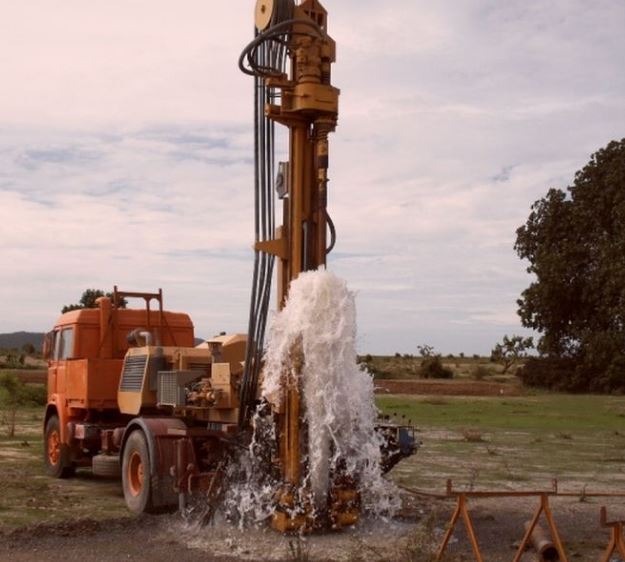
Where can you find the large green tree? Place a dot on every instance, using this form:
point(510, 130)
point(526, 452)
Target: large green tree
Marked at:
point(574, 241)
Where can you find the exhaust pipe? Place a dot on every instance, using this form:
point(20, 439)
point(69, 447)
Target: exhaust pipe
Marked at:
point(106, 328)
point(547, 552)
point(140, 337)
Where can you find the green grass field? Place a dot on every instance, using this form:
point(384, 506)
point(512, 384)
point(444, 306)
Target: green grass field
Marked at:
point(520, 442)
point(28, 495)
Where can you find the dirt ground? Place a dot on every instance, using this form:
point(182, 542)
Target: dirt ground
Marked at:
point(85, 519)
point(412, 538)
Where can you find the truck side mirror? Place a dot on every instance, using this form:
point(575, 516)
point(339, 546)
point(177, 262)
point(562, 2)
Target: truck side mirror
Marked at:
point(48, 345)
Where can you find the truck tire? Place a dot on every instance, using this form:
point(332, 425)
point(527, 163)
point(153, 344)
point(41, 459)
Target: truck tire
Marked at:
point(136, 477)
point(106, 466)
point(55, 453)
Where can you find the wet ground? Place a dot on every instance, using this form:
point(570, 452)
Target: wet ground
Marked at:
point(414, 537)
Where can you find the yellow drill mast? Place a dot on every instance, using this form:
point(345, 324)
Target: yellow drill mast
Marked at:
point(291, 59)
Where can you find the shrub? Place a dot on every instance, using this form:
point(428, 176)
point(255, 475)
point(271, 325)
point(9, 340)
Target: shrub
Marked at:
point(433, 368)
point(553, 373)
point(479, 372)
point(35, 394)
point(426, 350)
point(579, 374)
point(369, 365)
point(472, 435)
point(14, 394)
point(13, 359)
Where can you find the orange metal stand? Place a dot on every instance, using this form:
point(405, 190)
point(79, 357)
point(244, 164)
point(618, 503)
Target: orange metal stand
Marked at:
point(555, 536)
point(462, 510)
point(617, 542)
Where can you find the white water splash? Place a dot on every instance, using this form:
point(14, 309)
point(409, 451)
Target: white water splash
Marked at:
point(338, 398)
point(338, 407)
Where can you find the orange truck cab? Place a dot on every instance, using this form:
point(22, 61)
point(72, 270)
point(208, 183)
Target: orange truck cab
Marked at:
point(85, 353)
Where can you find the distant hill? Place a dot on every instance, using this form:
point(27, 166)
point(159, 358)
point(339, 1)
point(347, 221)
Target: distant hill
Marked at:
point(16, 340)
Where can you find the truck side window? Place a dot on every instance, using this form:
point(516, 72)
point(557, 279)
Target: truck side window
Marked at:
point(56, 346)
point(67, 343)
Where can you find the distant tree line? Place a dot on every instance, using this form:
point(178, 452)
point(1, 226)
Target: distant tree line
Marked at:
point(16, 358)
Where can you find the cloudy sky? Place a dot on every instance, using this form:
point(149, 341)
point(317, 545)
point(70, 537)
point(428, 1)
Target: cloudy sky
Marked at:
point(126, 146)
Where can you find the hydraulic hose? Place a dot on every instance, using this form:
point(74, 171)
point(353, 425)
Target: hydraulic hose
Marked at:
point(266, 56)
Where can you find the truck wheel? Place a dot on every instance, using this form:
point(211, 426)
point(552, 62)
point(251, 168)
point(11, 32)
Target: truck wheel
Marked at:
point(106, 466)
point(136, 480)
point(56, 454)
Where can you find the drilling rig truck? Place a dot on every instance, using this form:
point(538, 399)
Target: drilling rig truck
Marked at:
point(130, 394)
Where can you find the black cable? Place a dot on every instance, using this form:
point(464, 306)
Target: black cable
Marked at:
point(250, 358)
point(267, 54)
point(273, 33)
point(332, 233)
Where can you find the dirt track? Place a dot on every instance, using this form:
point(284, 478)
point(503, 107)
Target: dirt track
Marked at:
point(144, 539)
point(499, 527)
point(447, 388)
point(36, 376)
point(455, 387)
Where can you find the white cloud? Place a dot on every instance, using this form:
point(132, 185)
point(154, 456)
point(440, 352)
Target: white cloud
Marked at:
point(126, 146)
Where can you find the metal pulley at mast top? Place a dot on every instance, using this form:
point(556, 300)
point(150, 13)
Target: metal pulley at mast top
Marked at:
point(309, 108)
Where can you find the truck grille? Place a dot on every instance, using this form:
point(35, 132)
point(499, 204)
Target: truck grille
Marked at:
point(134, 369)
point(171, 387)
point(168, 389)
